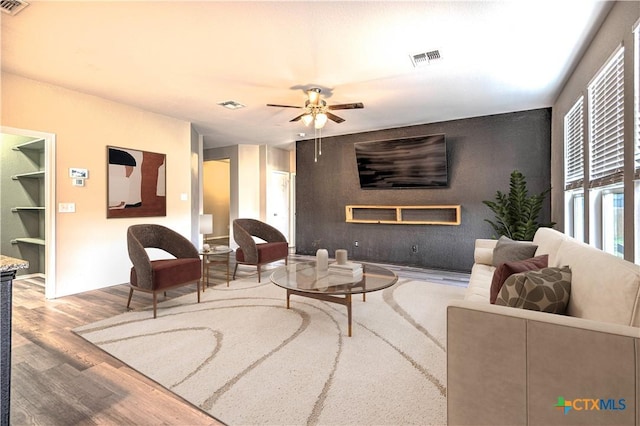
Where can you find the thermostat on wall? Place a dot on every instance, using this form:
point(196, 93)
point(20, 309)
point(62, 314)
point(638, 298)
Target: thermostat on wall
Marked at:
point(77, 173)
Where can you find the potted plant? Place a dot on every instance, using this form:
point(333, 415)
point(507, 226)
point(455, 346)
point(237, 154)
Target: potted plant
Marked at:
point(516, 213)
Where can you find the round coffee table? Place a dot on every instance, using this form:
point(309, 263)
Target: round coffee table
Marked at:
point(304, 279)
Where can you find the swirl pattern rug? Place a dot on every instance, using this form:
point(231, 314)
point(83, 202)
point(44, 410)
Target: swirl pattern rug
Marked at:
point(245, 359)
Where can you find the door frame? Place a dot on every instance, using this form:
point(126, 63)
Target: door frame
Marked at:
point(50, 206)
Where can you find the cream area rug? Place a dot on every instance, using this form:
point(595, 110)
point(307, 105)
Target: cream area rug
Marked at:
point(244, 358)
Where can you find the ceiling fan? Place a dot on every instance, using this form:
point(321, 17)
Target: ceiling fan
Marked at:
point(316, 110)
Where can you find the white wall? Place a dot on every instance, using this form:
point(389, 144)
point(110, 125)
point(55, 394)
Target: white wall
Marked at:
point(91, 250)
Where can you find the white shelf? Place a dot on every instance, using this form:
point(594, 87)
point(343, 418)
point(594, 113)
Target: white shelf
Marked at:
point(36, 241)
point(29, 175)
point(25, 209)
point(35, 145)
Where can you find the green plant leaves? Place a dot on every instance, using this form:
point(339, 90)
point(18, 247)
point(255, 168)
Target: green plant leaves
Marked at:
point(516, 213)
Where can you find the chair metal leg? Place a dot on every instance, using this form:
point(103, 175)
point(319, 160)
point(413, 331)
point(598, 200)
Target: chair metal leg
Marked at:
point(259, 273)
point(235, 270)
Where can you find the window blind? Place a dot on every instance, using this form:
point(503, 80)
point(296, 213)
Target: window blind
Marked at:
point(606, 123)
point(573, 146)
point(637, 101)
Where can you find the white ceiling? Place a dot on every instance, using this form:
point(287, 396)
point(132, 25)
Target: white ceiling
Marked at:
point(180, 58)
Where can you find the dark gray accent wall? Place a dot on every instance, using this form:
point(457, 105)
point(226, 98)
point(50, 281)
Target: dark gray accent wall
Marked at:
point(482, 153)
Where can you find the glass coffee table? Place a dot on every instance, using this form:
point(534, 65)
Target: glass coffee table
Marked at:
point(303, 279)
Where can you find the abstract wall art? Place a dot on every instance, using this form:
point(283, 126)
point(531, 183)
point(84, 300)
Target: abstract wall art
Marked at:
point(136, 183)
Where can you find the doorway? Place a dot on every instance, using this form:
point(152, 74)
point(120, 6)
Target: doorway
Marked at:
point(216, 187)
point(28, 202)
point(278, 202)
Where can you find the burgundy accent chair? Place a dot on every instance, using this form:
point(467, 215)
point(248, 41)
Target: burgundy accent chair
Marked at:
point(251, 252)
point(155, 276)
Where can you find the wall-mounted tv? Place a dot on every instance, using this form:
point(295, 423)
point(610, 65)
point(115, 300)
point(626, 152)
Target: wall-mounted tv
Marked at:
point(415, 162)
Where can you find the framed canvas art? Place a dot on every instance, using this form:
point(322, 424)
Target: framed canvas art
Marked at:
point(136, 183)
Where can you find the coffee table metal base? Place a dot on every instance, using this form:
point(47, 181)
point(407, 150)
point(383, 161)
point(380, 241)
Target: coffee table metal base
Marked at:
point(346, 300)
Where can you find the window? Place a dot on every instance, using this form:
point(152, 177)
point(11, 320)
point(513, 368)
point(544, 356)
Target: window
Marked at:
point(612, 221)
point(637, 100)
point(606, 123)
point(574, 140)
point(636, 86)
point(577, 219)
point(574, 168)
point(606, 151)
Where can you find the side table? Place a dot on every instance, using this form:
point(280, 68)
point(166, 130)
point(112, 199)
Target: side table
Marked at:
point(214, 256)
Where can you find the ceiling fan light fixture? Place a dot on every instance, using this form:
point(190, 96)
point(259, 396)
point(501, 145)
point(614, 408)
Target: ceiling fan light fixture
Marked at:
point(320, 121)
point(314, 95)
point(307, 119)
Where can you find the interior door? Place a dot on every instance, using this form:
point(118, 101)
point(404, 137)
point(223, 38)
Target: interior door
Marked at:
point(278, 204)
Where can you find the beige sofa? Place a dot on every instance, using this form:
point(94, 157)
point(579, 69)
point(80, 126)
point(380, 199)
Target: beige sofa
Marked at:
point(509, 366)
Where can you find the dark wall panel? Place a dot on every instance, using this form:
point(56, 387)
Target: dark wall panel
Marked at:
point(482, 153)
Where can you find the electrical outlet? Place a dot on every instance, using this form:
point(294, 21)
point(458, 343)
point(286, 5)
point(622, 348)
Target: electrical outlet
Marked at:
point(414, 248)
point(355, 244)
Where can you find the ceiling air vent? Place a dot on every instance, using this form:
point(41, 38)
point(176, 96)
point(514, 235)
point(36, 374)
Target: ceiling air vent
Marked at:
point(231, 104)
point(421, 59)
point(12, 7)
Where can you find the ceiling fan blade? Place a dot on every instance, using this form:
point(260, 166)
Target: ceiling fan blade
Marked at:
point(297, 118)
point(355, 105)
point(334, 117)
point(284, 106)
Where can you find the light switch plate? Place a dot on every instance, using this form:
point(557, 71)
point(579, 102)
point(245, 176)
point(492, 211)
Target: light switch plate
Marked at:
point(67, 207)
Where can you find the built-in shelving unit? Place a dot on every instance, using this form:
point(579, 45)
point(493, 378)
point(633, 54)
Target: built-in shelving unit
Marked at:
point(404, 215)
point(33, 149)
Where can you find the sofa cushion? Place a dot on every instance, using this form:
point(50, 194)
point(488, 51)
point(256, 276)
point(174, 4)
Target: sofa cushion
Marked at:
point(548, 241)
point(545, 290)
point(267, 252)
point(507, 269)
point(603, 287)
point(508, 250)
point(172, 272)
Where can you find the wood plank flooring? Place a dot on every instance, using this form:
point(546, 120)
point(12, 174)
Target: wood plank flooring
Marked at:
point(58, 378)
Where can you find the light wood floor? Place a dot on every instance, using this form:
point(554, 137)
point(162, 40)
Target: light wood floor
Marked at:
point(58, 378)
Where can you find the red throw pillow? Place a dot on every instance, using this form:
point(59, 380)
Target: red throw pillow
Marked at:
point(507, 269)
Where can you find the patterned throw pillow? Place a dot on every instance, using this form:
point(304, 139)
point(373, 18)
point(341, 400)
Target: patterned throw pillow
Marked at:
point(507, 269)
point(546, 290)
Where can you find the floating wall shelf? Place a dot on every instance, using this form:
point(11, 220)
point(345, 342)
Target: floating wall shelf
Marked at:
point(404, 215)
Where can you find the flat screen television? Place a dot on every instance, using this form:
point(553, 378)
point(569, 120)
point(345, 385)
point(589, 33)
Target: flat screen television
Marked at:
point(415, 162)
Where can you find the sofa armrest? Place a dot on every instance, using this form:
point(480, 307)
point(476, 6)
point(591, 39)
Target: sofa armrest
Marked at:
point(483, 251)
point(510, 366)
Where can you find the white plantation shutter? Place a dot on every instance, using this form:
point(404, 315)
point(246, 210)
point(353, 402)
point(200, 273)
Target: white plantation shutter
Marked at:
point(573, 146)
point(606, 124)
point(637, 102)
